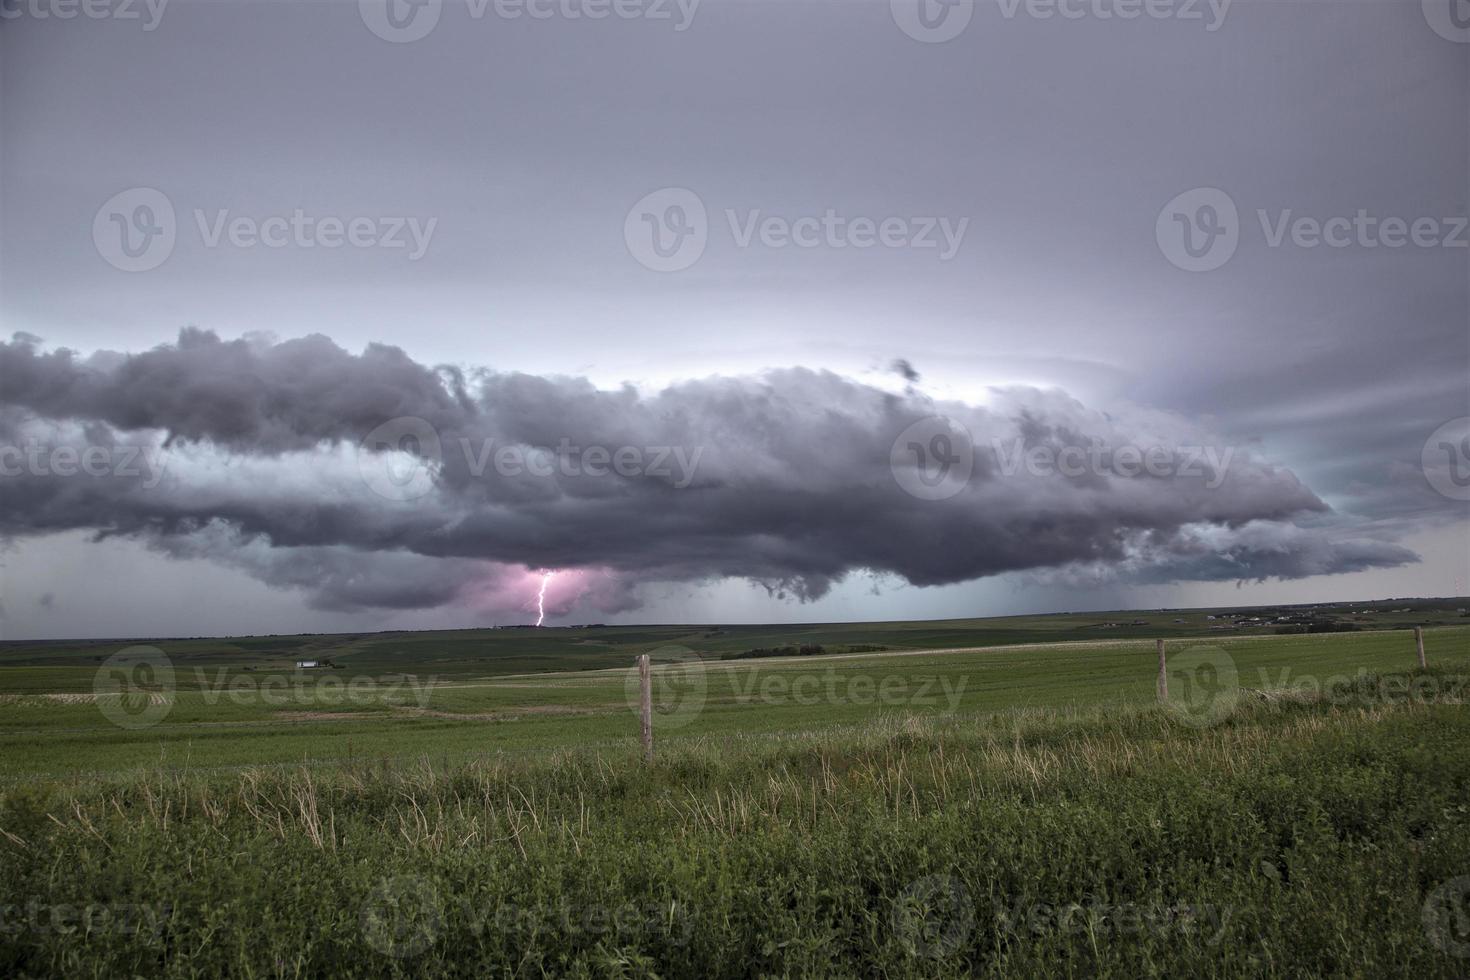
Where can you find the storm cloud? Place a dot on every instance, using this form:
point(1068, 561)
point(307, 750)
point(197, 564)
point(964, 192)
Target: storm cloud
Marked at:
point(372, 481)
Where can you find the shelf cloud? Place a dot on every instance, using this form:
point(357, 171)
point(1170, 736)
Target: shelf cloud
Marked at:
point(370, 480)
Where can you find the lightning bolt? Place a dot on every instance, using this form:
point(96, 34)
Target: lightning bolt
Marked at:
point(541, 597)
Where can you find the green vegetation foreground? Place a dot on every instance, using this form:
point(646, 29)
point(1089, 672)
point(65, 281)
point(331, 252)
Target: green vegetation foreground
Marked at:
point(1295, 838)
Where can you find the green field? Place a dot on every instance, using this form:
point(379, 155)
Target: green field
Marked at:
point(982, 797)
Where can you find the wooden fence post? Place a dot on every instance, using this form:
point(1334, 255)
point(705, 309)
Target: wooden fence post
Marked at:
point(645, 705)
point(1419, 644)
point(1163, 674)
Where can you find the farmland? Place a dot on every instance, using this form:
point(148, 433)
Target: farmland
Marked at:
point(467, 694)
point(980, 797)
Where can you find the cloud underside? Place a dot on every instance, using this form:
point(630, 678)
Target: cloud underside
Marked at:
point(251, 453)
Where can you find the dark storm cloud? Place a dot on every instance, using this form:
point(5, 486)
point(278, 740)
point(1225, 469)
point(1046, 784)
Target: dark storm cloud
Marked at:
point(1254, 552)
point(787, 479)
point(335, 578)
point(247, 394)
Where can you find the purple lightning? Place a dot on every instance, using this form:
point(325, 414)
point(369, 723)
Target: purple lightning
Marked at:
point(541, 597)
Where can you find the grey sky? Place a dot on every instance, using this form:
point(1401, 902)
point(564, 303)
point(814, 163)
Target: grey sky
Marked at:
point(526, 142)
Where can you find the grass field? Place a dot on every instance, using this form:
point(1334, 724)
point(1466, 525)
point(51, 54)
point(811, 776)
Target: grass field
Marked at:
point(981, 798)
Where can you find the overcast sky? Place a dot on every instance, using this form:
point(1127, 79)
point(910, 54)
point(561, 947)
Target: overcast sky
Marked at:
point(779, 244)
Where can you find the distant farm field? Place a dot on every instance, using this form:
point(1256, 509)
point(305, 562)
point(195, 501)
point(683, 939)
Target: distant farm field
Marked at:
point(214, 712)
point(1299, 806)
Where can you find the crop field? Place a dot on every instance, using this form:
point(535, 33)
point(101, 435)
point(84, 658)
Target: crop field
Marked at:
point(987, 797)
